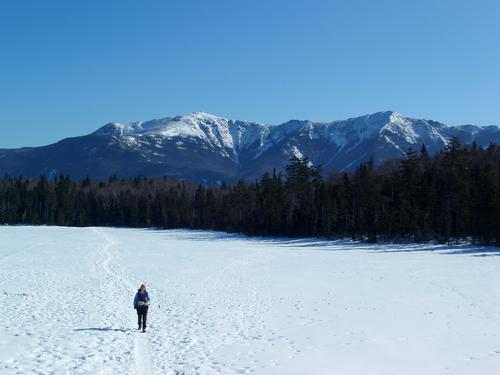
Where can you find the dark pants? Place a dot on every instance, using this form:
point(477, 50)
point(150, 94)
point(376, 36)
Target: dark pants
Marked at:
point(142, 315)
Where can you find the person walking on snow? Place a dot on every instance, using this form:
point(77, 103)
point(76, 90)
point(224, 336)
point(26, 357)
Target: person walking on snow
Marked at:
point(141, 304)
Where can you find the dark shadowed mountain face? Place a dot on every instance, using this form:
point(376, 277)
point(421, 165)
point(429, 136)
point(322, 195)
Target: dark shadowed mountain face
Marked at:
point(207, 148)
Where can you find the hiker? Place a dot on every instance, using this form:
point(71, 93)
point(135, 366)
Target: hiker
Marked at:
point(141, 304)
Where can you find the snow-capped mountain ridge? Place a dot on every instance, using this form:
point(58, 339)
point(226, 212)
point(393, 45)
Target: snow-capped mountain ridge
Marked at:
point(235, 135)
point(206, 147)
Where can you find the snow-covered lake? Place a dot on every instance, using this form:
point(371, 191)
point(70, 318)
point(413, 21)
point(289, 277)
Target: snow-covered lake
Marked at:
point(225, 304)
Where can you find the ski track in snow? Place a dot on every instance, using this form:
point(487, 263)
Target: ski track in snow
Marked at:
point(141, 355)
point(223, 304)
point(115, 274)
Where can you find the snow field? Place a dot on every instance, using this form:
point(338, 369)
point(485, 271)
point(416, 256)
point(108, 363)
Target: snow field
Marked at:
point(224, 304)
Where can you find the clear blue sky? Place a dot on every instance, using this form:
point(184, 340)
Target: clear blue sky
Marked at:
point(68, 67)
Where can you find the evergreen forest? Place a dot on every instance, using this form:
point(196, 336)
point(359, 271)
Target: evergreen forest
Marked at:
point(452, 196)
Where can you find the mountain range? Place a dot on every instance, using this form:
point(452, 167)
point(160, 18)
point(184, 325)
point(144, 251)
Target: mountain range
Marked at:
point(207, 148)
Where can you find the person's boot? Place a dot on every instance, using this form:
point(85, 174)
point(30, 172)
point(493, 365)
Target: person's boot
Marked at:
point(144, 329)
point(139, 328)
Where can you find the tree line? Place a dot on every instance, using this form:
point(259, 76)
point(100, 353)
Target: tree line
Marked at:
point(450, 196)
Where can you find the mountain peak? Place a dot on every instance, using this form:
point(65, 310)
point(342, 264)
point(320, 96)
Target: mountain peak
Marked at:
point(200, 116)
point(117, 129)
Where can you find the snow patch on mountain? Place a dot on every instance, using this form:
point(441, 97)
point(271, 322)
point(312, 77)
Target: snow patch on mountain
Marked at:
point(347, 132)
point(296, 152)
point(391, 142)
point(402, 131)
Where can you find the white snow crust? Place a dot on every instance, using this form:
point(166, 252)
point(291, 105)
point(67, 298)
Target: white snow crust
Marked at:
point(226, 304)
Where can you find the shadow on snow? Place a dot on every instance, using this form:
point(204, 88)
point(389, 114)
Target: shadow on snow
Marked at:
point(103, 329)
point(332, 245)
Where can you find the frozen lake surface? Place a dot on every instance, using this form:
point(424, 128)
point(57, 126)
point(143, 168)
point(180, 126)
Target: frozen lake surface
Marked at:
point(225, 304)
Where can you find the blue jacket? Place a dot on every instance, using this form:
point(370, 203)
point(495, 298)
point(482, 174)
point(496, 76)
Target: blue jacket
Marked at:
point(139, 297)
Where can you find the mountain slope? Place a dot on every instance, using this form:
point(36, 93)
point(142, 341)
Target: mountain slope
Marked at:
point(208, 148)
